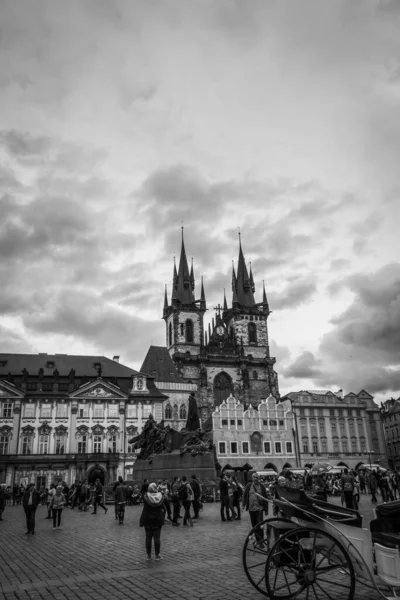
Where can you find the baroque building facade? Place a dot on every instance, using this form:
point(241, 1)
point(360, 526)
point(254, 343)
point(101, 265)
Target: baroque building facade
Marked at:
point(66, 417)
point(232, 356)
point(390, 416)
point(344, 430)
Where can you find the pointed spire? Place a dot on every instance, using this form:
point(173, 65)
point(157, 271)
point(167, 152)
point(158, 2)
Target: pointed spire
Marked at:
point(174, 282)
point(165, 302)
point(203, 296)
point(265, 301)
point(253, 288)
point(243, 283)
point(192, 275)
point(225, 303)
point(233, 277)
point(184, 291)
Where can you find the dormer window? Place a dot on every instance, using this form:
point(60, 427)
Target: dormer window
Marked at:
point(50, 364)
point(3, 363)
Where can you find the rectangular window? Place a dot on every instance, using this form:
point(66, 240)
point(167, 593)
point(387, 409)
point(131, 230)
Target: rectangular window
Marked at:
point(132, 411)
point(335, 446)
point(62, 410)
point(265, 422)
point(301, 412)
point(98, 411)
point(267, 447)
point(333, 426)
point(7, 410)
point(278, 447)
point(97, 442)
point(281, 423)
point(315, 447)
point(113, 443)
point(113, 411)
point(305, 447)
point(233, 422)
point(331, 412)
point(131, 449)
point(324, 446)
point(358, 412)
point(82, 444)
point(43, 444)
point(363, 444)
point(29, 411)
point(289, 448)
point(340, 412)
point(240, 423)
point(224, 422)
point(354, 445)
point(222, 447)
point(60, 444)
point(311, 411)
point(342, 428)
point(4, 444)
point(147, 410)
point(27, 445)
point(83, 411)
point(234, 448)
point(345, 446)
point(272, 423)
point(45, 411)
point(322, 427)
point(245, 447)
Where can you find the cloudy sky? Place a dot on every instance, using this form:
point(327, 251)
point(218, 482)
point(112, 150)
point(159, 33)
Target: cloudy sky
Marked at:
point(121, 119)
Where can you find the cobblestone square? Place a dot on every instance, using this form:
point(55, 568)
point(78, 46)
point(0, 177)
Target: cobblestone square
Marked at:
point(94, 557)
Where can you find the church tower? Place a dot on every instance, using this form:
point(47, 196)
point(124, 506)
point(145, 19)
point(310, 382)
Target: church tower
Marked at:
point(184, 316)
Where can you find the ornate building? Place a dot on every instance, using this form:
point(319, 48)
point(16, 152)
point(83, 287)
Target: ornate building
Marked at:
point(233, 356)
point(337, 429)
point(64, 417)
point(390, 416)
point(262, 437)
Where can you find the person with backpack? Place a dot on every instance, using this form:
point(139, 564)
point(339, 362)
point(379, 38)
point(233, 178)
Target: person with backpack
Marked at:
point(194, 484)
point(176, 503)
point(186, 496)
point(347, 481)
point(120, 497)
point(152, 519)
point(255, 500)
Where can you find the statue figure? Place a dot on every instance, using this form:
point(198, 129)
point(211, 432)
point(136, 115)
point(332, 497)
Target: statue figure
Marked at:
point(193, 421)
point(56, 374)
point(41, 374)
point(25, 375)
point(10, 378)
point(71, 376)
point(203, 376)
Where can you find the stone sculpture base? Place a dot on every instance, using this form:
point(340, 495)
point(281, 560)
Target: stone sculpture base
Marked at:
point(168, 466)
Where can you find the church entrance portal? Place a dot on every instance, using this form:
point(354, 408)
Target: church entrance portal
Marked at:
point(96, 473)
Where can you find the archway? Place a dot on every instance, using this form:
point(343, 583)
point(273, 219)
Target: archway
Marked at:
point(222, 387)
point(271, 466)
point(287, 466)
point(342, 464)
point(96, 473)
point(358, 465)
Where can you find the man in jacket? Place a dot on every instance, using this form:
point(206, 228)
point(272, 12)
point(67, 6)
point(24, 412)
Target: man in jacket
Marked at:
point(224, 498)
point(194, 484)
point(98, 498)
point(30, 503)
point(255, 500)
point(348, 488)
point(121, 496)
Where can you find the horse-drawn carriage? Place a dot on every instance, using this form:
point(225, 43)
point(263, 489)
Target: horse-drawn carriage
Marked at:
point(317, 551)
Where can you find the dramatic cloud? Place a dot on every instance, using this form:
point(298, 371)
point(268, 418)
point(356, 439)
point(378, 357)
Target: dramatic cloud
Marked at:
point(122, 121)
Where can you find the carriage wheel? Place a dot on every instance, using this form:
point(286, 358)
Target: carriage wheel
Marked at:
point(309, 564)
point(255, 552)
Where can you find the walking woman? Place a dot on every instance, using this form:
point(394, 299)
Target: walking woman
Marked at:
point(152, 519)
point(57, 504)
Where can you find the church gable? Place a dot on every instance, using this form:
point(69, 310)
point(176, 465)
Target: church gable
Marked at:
point(98, 390)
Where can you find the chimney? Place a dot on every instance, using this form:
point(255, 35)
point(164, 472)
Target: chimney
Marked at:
point(116, 359)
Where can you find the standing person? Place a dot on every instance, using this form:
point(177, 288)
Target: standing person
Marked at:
point(195, 485)
point(186, 495)
point(224, 498)
point(30, 503)
point(98, 498)
point(50, 494)
point(164, 489)
point(347, 481)
point(121, 497)
point(152, 519)
point(57, 505)
point(84, 496)
point(254, 504)
point(373, 485)
point(2, 499)
point(176, 503)
point(237, 495)
point(116, 484)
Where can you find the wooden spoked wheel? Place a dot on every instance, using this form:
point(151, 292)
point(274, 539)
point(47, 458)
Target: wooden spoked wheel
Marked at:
point(256, 548)
point(309, 564)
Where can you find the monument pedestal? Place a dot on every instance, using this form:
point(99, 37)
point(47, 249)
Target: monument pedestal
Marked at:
point(170, 465)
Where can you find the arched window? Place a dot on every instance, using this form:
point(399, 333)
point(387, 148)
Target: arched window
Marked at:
point(175, 411)
point(170, 334)
point(222, 388)
point(189, 330)
point(252, 331)
point(182, 412)
point(168, 411)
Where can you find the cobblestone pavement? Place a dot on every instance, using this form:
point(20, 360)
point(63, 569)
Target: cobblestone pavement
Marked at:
point(92, 557)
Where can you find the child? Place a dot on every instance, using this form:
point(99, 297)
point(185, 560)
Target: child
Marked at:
point(57, 504)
